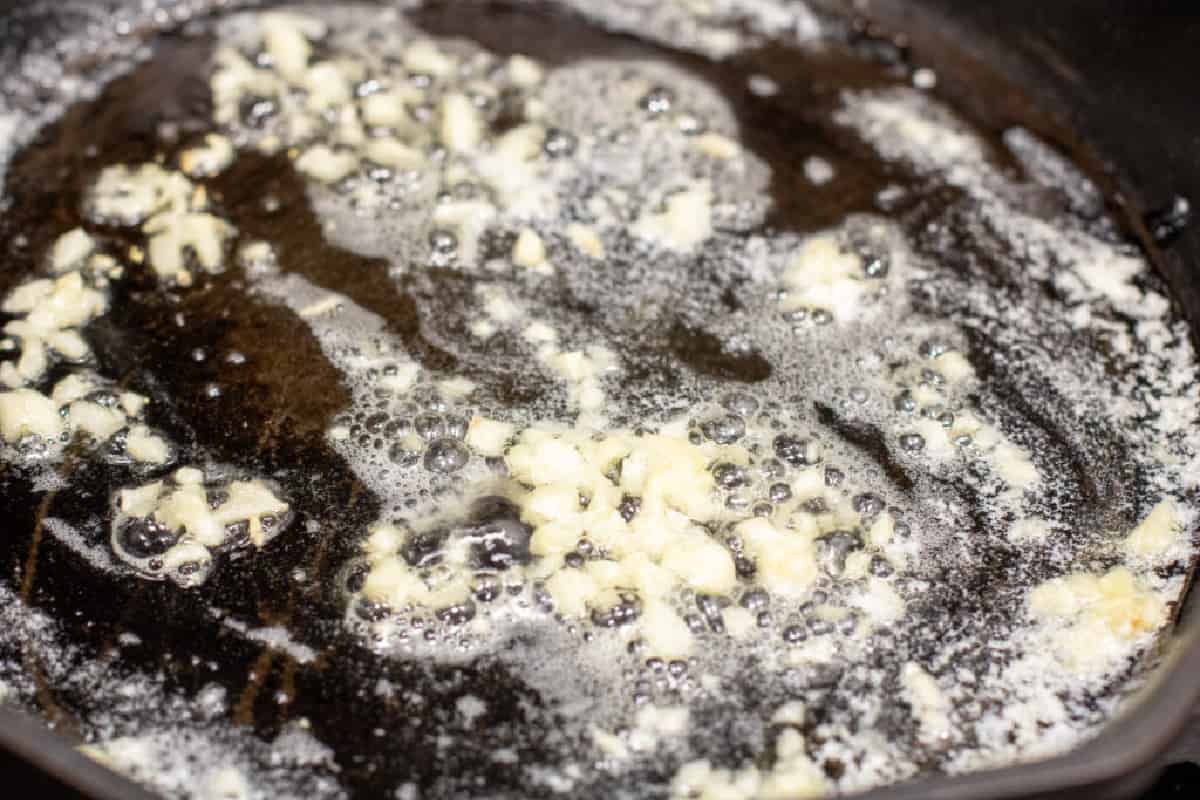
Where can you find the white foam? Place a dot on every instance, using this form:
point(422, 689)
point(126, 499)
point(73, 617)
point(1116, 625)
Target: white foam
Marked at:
point(853, 367)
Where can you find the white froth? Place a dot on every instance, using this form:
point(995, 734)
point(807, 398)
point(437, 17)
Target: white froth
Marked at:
point(846, 335)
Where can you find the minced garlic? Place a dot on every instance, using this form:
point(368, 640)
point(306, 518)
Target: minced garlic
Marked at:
point(1094, 617)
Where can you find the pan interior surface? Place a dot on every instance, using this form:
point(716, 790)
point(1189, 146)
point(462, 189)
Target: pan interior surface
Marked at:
point(520, 399)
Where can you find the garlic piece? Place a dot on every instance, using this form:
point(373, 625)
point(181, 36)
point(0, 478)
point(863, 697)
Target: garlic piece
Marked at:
point(70, 250)
point(144, 446)
point(488, 436)
point(96, 420)
point(717, 146)
point(529, 251)
point(27, 412)
point(586, 240)
point(326, 165)
point(461, 125)
point(211, 158)
point(685, 222)
point(1156, 533)
point(524, 71)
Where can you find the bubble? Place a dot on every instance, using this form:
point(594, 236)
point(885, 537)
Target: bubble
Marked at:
point(755, 600)
point(880, 567)
point(467, 190)
point(912, 442)
point(793, 450)
point(430, 426)
point(779, 492)
point(690, 124)
point(868, 504)
point(875, 266)
point(443, 246)
point(435, 403)
point(737, 502)
point(402, 456)
point(457, 614)
point(773, 468)
point(629, 507)
point(622, 613)
point(834, 477)
point(238, 532)
point(931, 349)
point(1167, 223)
point(794, 634)
point(709, 606)
point(657, 101)
point(104, 397)
point(815, 506)
point(487, 589)
point(497, 537)
point(193, 573)
point(820, 627)
point(455, 427)
point(833, 548)
point(379, 174)
point(141, 537)
point(730, 476)
point(858, 394)
point(559, 143)
point(724, 430)
point(255, 111)
point(905, 402)
point(376, 423)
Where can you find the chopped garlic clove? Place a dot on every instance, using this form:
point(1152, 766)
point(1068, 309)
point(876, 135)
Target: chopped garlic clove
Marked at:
point(27, 412)
point(326, 165)
point(211, 158)
point(461, 127)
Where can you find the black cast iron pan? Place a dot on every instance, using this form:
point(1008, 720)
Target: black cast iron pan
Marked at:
point(1108, 82)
